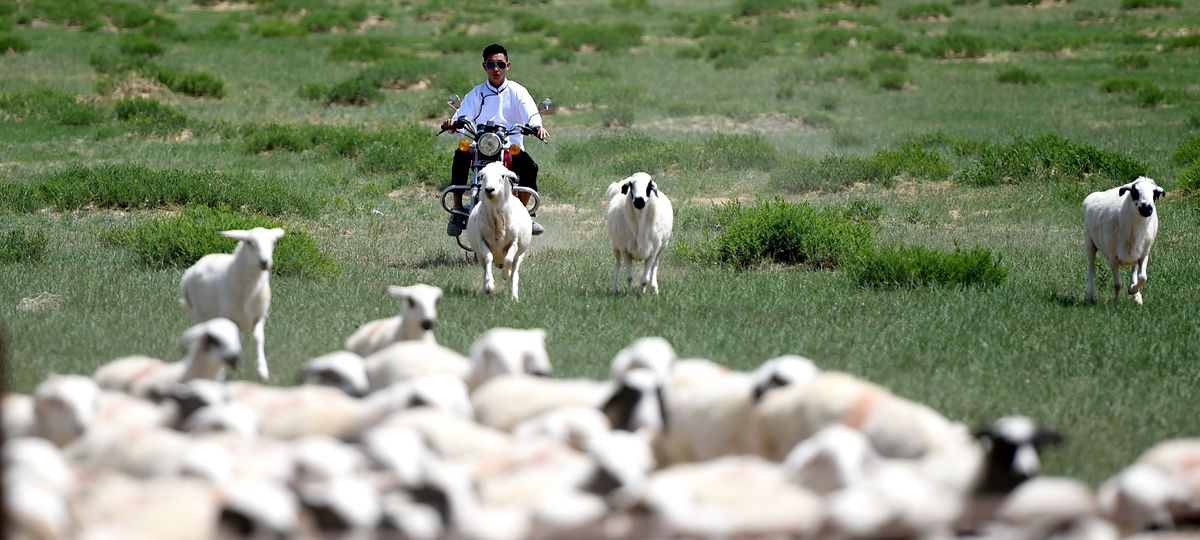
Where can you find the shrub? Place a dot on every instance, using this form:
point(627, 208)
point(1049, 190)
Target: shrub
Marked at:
point(51, 105)
point(926, 10)
point(325, 20)
point(270, 28)
point(918, 266)
point(149, 114)
point(829, 40)
point(777, 231)
point(530, 21)
point(731, 53)
point(179, 241)
point(1148, 4)
point(630, 5)
point(1047, 158)
point(1187, 153)
point(1132, 61)
point(1149, 96)
point(601, 36)
point(752, 8)
point(626, 153)
point(880, 62)
point(893, 79)
point(887, 39)
point(738, 152)
point(17, 245)
point(192, 83)
point(824, 4)
point(831, 173)
point(912, 161)
point(137, 44)
point(226, 30)
point(863, 209)
point(14, 43)
point(137, 186)
point(1121, 85)
point(1189, 179)
point(19, 197)
point(556, 187)
point(957, 45)
point(356, 91)
point(1017, 75)
point(845, 139)
point(560, 54)
point(689, 53)
point(617, 116)
point(113, 64)
point(360, 49)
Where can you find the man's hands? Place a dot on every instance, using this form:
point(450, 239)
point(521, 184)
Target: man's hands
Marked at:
point(448, 124)
point(541, 133)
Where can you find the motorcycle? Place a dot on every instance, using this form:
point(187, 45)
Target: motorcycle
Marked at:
point(487, 143)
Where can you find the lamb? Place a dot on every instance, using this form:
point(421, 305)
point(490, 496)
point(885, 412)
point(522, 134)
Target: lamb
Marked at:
point(235, 286)
point(640, 219)
point(499, 229)
point(653, 353)
point(1123, 229)
point(1161, 488)
point(502, 351)
point(343, 370)
point(212, 345)
point(405, 360)
point(507, 400)
point(19, 419)
point(415, 322)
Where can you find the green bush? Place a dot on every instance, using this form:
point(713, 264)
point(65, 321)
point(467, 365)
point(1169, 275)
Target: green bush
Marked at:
point(14, 43)
point(399, 72)
point(863, 209)
point(880, 62)
point(356, 91)
point(738, 152)
point(893, 79)
point(926, 10)
point(1189, 179)
point(137, 186)
point(753, 8)
point(150, 115)
point(325, 20)
point(270, 28)
point(689, 53)
point(823, 4)
point(731, 53)
point(832, 172)
point(138, 45)
point(1121, 85)
point(7, 25)
point(179, 241)
point(226, 30)
point(1046, 158)
point(553, 186)
point(1017, 75)
point(957, 44)
point(1187, 153)
point(603, 37)
point(1132, 61)
point(888, 39)
point(918, 266)
point(630, 152)
point(780, 232)
point(630, 5)
point(19, 197)
point(1184, 42)
point(51, 105)
point(17, 245)
point(530, 21)
point(912, 161)
point(998, 3)
point(559, 54)
point(360, 49)
point(1150, 96)
point(830, 40)
point(1147, 4)
point(109, 63)
point(192, 83)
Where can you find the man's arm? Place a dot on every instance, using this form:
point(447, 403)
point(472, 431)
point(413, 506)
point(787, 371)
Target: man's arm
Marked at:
point(469, 104)
point(530, 113)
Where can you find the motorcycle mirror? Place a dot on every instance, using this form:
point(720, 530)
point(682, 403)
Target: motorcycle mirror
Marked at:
point(546, 106)
point(453, 101)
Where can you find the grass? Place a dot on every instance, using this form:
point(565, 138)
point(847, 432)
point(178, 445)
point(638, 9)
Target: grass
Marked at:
point(918, 266)
point(51, 105)
point(18, 245)
point(926, 10)
point(1111, 377)
point(1188, 152)
point(1150, 4)
point(11, 43)
point(1018, 75)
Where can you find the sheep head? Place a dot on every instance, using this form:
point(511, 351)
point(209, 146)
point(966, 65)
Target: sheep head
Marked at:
point(1143, 192)
point(496, 181)
point(635, 402)
point(420, 302)
point(218, 339)
point(639, 187)
point(782, 371)
point(1012, 445)
point(64, 406)
point(343, 370)
point(260, 242)
point(653, 353)
point(502, 351)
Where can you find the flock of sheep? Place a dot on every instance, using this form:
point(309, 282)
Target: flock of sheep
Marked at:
point(398, 436)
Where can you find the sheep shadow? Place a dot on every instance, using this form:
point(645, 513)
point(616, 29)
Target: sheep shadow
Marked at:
point(442, 259)
point(1067, 300)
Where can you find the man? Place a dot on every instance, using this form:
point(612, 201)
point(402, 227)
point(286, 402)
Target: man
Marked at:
point(506, 103)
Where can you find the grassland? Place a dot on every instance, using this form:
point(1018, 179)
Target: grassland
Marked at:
point(830, 93)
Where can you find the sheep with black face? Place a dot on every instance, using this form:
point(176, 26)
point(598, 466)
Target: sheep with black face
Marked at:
point(1121, 223)
point(640, 219)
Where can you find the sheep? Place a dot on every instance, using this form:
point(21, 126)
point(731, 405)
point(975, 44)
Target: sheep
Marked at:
point(415, 322)
point(501, 351)
point(409, 359)
point(507, 400)
point(235, 286)
point(211, 346)
point(499, 229)
point(449, 435)
point(652, 353)
point(19, 419)
point(1043, 506)
point(1123, 229)
point(1159, 489)
point(258, 509)
point(112, 505)
point(573, 425)
point(640, 219)
point(343, 370)
point(37, 483)
point(1012, 445)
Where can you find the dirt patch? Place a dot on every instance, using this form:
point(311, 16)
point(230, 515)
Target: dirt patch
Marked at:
point(44, 301)
point(220, 6)
point(724, 124)
point(996, 58)
point(135, 86)
point(929, 18)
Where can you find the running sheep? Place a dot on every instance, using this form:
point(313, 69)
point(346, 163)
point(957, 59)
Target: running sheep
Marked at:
point(235, 286)
point(640, 219)
point(1121, 224)
point(499, 228)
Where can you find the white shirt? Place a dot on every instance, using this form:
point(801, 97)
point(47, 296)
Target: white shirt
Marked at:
point(508, 105)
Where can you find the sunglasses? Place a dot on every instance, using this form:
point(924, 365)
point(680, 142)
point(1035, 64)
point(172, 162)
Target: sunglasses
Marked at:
point(493, 65)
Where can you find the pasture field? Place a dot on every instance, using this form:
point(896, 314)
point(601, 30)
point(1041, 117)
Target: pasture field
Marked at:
point(948, 125)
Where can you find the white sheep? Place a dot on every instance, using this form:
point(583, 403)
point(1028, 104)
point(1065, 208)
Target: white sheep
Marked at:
point(340, 369)
point(64, 406)
point(405, 360)
point(640, 219)
point(211, 346)
point(505, 401)
point(653, 353)
point(235, 286)
point(19, 419)
point(415, 322)
point(503, 351)
point(37, 483)
point(1122, 227)
point(499, 228)
point(1161, 488)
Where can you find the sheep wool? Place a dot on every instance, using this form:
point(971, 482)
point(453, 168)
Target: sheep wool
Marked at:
point(640, 219)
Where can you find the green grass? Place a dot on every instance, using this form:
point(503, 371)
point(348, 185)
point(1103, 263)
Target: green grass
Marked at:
point(722, 106)
point(926, 10)
point(918, 266)
point(1187, 152)
point(1018, 75)
point(18, 245)
point(16, 44)
point(1148, 4)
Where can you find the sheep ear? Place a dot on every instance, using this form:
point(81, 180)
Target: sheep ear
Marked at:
point(396, 291)
point(1046, 436)
point(192, 334)
point(653, 187)
point(276, 233)
point(238, 235)
point(1123, 189)
point(625, 188)
point(1159, 192)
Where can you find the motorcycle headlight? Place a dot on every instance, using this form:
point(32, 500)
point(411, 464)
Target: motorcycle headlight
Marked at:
point(489, 144)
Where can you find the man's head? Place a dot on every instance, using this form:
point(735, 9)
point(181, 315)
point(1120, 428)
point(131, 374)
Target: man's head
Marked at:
point(495, 63)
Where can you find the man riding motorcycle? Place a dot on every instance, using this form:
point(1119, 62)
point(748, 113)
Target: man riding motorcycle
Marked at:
point(506, 103)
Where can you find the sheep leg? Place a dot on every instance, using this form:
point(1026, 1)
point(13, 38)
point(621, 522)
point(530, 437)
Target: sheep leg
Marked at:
point(516, 276)
point(509, 257)
point(653, 267)
point(489, 284)
point(628, 257)
point(616, 288)
point(1116, 272)
point(1137, 278)
point(647, 271)
point(259, 339)
point(1091, 280)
